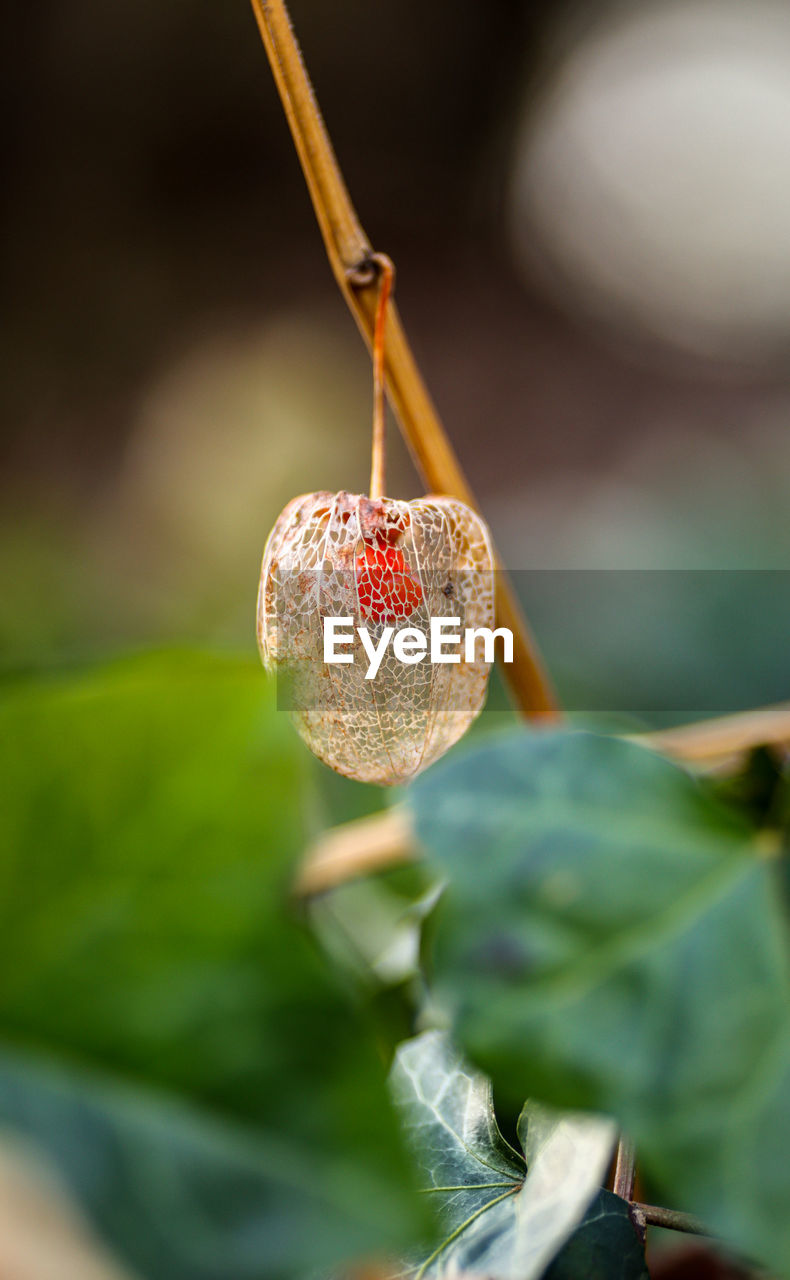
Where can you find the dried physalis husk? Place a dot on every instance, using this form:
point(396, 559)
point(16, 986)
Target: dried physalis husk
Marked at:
point(378, 562)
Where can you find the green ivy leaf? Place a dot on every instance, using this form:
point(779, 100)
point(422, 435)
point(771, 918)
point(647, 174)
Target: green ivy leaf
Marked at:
point(604, 1247)
point(152, 815)
point(501, 1217)
point(610, 939)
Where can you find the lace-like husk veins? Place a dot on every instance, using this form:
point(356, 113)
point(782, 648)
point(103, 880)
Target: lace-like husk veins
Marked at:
point(439, 563)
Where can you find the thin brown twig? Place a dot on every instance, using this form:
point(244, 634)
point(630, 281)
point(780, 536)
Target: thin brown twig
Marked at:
point(355, 849)
point(387, 839)
point(726, 737)
point(350, 256)
point(625, 1169)
point(378, 464)
point(672, 1219)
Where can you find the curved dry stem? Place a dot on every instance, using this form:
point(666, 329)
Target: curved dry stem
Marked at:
point(725, 739)
point(387, 839)
point(350, 254)
point(357, 848)
point(378, 465)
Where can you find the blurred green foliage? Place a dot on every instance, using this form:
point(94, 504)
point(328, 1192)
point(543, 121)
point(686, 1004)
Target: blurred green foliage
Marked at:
point(205, 1085)
point(207, 1073)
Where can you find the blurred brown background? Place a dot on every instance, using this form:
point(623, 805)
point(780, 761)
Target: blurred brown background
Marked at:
point(588, 209)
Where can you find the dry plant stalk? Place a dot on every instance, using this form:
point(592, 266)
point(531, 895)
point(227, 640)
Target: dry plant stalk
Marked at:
point(387, 839)
point(725, 739)
point(357, 848)
point(378, 462)
point(355, 270)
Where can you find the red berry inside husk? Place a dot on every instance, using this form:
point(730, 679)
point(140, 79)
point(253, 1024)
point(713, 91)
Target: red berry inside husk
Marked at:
point(385, 587)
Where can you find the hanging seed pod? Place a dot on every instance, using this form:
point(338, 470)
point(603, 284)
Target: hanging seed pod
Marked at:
point(380, 563)
point(375, 565)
